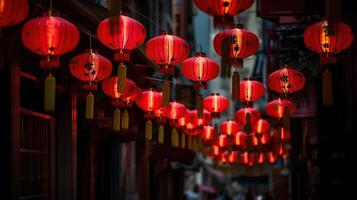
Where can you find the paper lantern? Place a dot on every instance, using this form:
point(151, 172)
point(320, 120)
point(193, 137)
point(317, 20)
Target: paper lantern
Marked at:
point(276, 108)
point(230, 127)
point(232, 157)
point(200, 69)
point(240, 140)
point(271, 157)
point(286, 81)
point(12, 12)
point(235, 44)
point(244, 157)
point(223, 11)
point(241, 115)
point(222, 141)
point(251, 90)
point(89, 67)
point(49, 36)
point(216, 104)
point(122, 34)
point(327, 39)
point(167, 51)
point(208, 133)
point(260, 158)
point(205, 120)
point(261, 126)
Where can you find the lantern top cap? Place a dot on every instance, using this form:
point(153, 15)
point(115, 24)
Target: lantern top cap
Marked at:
point(50, 13)
point(240, 26)
point(215, 94)
point(202, 54)
point(165, 32)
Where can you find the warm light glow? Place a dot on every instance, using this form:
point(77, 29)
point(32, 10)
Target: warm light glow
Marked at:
point(168, 47)
point(51, 34)
point(2, 6)
point(280, 109)
point(271, 157)
point(150, 100)
point(215, 150)
point(325, 37)
point(236, 43)
point(249, 90)
point(228, 5)
point(260, 158)
point(245, 157)
point(93, 59)
point(199, 64)
point(215, 103)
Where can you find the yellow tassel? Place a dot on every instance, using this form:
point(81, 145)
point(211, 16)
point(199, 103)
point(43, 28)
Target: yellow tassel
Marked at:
point(189, 142)
point(50, 93)
point(165, 93)
point(116, 120)
point(174, 138)
point(199, 106)
point(89, 106)
point(327, 90)
point(125, 120)
point(286, 118)
point(248, 123)
point(122, 78)
point(183, 140)
point(235, 86)
point(148, 130)
point(161, 134)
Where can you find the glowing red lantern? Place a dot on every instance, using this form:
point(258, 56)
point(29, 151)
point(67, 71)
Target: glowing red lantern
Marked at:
point(241, 116)
point(122, 34)
point(230, 127)
point(160, 115)
point(216, 150)
point(236, 44)
point(205, 120)
point(286, 81)
point(241, 140)
point(244, 157)
point(149, 101)
point(251, 160)
point(261, 126)
point(109, 87)
point(283, 134)
point(232, 157)
point(222, 141)
point(49, 36)
point(13, 12)
point(200, 69)
point(208, 133)
point(271, 157)
point(223, 11)
point(281, 150)
point(327, 39)
point(90, 66)
point(175, 111)
point(167, 51)
point(277, 108)
point(223, 157)
point(254, 141)
point(251, 91)
point(260, 158)
point(216, 104)
point(265, 138)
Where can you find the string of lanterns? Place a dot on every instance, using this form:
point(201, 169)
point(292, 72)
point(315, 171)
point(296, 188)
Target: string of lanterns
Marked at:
point(248, 139)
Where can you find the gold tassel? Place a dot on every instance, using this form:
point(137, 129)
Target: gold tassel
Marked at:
point(327, 90)
point(89, 106)
point(165, 93)
point(148, 130)
point(199, 106)
point(50, 93)
point(125, 120)
point(235, 86)
point(248, 123)
point(189, 142)
point(161, 134)
point(183, 140)
point(116, 120)
point(122, 78)
point(174, 138)
point(286, 118)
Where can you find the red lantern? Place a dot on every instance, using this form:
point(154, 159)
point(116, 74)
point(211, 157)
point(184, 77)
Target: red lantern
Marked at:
point(122, 34)
point(223, 157)
point(281, 150)
point(241, 140)
point(251, 90)
point(271, 156)
point(200, 69)
point(244, 157)
point(208, 133)
point(205, 120)
point(90, 66)
point(286, 81)
point(276, 108)
point(283, 134)
point(251, 160)
point(232, 157)
point(222, 141)
point(241, 115)
point(49, 36)
point(260, 158)
point(261, 126)
point(160, 115)
point(264, 137)
point(236, 44)
point(167, 50)
point(223, 11)
point(175, 111)
point(216, 104)
point(254, 140)
point(230, 127)
point(327, 39)
point(216, 150)
point(109, 87)
point(13, 12)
